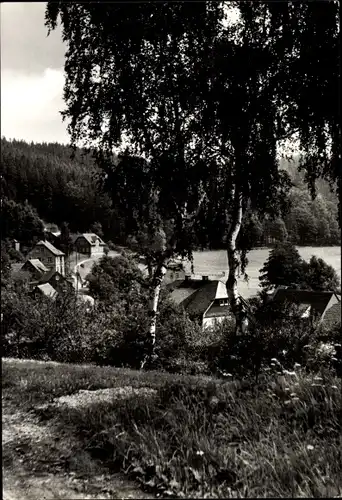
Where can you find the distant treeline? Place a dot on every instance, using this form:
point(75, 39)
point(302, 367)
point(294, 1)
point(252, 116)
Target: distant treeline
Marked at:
point(63, 189)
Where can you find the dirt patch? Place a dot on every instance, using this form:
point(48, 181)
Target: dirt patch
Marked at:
point(86, 398)
point(39, 462)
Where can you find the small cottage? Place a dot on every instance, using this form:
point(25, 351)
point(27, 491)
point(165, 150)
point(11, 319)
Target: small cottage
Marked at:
point(35, 268)
point(57, 281)
point(204, 299)
point(89, 244)
point(317, 307)
point(50, 256)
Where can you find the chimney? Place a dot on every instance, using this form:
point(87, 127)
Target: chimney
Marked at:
point(205, 278)
point(16, 245)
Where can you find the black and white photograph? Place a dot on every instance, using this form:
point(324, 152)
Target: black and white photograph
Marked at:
point(171, 249)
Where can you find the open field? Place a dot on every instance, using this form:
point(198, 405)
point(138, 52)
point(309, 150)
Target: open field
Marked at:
point(215, 261)
point(80, 426)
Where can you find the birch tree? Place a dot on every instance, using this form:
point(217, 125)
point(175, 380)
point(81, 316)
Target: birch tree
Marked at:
point(264, 66)
point(133, 77)
point(206, 101)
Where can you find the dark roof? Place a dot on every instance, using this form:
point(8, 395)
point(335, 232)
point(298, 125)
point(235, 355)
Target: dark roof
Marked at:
point(48, 275)
point(37, 264)
point(333, 315)
point(197, 295)
point(181, 289)
point(317, 300)
point(50, 247)
point(198, 302)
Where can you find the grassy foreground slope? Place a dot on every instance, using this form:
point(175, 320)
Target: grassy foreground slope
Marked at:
point(191, 436)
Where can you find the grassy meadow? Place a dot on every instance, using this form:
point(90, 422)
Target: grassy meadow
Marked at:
point(215, 261)
point(195, 437)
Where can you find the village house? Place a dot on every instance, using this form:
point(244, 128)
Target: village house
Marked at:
point(35, 268)
point(89, 244)
point(32, 268)
point(45, 289)
point(57, 281)
point(321, 308)
point(50, 256)
point(204, 299)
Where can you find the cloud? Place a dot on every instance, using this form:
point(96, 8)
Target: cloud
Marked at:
point(32, 75)
point(25, 46)
point(30, 105)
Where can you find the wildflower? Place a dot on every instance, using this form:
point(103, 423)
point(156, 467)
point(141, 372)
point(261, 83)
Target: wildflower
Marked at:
point(287, 372)
point(288, 402)
point(326, 349)
point(284, 351)
point(316, 385)
point(200, 453)
point(293, 394)
point(286, 389)
point(317, 378)
point(334, 387)
point(295, 399)
point(337, 345)
point(310, 447)
point(296, 365)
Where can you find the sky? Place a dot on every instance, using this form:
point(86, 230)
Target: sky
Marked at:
point(32, 75)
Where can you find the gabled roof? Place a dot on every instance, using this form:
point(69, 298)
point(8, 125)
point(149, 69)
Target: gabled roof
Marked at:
point(196, 296)
point(38, 265)
point(48, 275)
point(47, 290)
point(50, 247)
point(198, 302)
point(91, 238)
point(181, 289)
point(317, 300)
point(333, 315)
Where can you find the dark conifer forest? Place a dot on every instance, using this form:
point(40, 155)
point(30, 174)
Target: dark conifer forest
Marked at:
point(60, 189)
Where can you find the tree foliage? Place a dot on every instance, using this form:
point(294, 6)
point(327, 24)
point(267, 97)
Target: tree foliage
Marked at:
point(20, 221)
point(285, 267)
point(168, 77)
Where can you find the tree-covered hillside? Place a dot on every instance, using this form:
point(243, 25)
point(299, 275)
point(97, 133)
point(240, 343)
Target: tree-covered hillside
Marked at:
point(64, 189)
point(58, 187)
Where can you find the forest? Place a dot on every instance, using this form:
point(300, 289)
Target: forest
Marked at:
point(64, 189)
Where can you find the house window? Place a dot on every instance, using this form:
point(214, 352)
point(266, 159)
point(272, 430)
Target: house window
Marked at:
point(223, 302)
point(49, 259)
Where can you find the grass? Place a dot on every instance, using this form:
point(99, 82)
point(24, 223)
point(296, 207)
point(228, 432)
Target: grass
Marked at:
point(196, 436)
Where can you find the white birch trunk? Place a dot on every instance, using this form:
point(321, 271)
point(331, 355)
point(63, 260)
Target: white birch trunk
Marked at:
point(160, 273)
point(233, 261)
